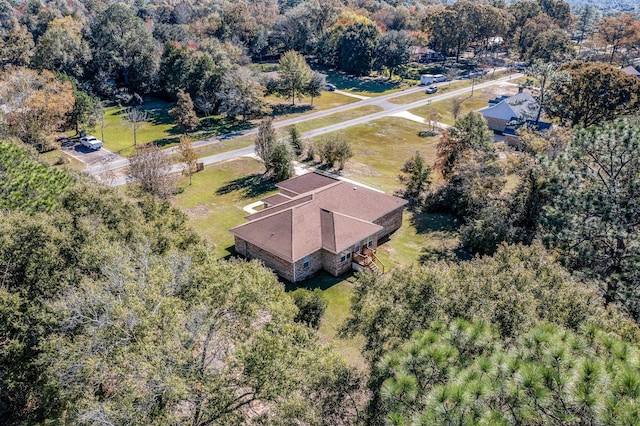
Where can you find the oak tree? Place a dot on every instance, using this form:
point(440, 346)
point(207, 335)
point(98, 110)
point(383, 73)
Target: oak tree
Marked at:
point(150, 168)
point(294, 76)
point(594, 93)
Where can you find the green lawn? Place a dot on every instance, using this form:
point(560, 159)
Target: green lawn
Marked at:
point(337, 292)
point(367, 86)
point(159, 127)
point(282, 108)
point(216, 197)
point(118, 135)
point(380, 149)
point(331, 119)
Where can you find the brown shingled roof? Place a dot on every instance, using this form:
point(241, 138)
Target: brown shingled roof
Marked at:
point(306, 183)
point(276, 199)
point(340, 232)
point(333, 216)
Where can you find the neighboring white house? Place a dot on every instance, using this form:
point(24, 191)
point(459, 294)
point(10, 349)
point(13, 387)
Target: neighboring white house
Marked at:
point(631, 70)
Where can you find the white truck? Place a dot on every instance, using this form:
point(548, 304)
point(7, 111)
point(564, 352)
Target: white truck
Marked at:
point(427, 79)
point(91, 142)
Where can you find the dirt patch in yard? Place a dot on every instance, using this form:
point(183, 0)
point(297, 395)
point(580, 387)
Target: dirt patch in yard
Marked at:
point(201, 211)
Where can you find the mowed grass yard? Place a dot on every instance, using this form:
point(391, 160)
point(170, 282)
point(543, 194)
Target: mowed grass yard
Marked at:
point(161, 129)
point(214, 200)
point(282, 108)
point(380, 149)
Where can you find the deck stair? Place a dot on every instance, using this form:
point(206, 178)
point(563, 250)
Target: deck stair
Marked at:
point(369, 260)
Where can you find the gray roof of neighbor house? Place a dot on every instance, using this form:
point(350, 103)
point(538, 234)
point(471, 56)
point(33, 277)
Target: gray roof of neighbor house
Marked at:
point(520, 106)
point(631, 70)
point(333, 215)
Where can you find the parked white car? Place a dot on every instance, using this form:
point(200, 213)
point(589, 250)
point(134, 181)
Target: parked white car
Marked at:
point(91, 142)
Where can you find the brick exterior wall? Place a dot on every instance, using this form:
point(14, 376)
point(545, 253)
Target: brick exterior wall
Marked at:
point(496, 124)
point(315, 264)
point(390, 222)
point(279, 265)
point(332, 264)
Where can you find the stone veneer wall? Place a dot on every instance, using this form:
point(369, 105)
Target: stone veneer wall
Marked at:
point(496, 124)
point(279, 265)
point(315, 264)
point(331, 263)
point(390, 222)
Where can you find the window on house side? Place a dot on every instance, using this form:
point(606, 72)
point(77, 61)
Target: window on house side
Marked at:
point(305, 263)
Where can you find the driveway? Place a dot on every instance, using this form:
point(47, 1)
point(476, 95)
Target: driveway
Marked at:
point(93, 159)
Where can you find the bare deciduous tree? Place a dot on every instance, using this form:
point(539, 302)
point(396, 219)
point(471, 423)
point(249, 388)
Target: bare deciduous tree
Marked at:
point(189, 156)
point(150, 167)
point(135, 117)
point(456, 106)
point(205, 105)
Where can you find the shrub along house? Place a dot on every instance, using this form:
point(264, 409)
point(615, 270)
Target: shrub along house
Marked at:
point(318, 222)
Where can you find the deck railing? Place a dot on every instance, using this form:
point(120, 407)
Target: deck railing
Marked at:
point(367, 258)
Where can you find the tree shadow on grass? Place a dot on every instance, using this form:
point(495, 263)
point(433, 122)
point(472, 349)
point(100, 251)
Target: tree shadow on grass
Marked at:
point(360, 84)
point(217, 126)
point(167, 141)
point(434, 222)
point(322, 280)
point(158, 116)
point(250, 186)
point(284, 109)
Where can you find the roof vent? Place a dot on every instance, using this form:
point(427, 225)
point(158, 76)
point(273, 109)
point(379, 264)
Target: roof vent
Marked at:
point(354, 188)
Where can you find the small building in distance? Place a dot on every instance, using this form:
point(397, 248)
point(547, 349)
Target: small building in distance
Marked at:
point(318, 222)
point(506, 114)
point(631, 70)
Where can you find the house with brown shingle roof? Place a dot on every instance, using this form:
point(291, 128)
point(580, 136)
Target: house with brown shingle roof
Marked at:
point(317, 222)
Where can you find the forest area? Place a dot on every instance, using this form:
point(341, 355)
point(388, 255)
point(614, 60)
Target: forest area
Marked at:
point(114, 311)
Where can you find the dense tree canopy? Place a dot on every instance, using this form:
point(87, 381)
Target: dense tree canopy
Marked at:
point(515, 290)
point(594, 217)
point(461, 373)
point(114, 311)
point(124, 48)
point(356, 48)
point(595, 92)
point(63, 48)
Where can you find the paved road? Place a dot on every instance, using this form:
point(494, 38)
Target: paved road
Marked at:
point(117, 162)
